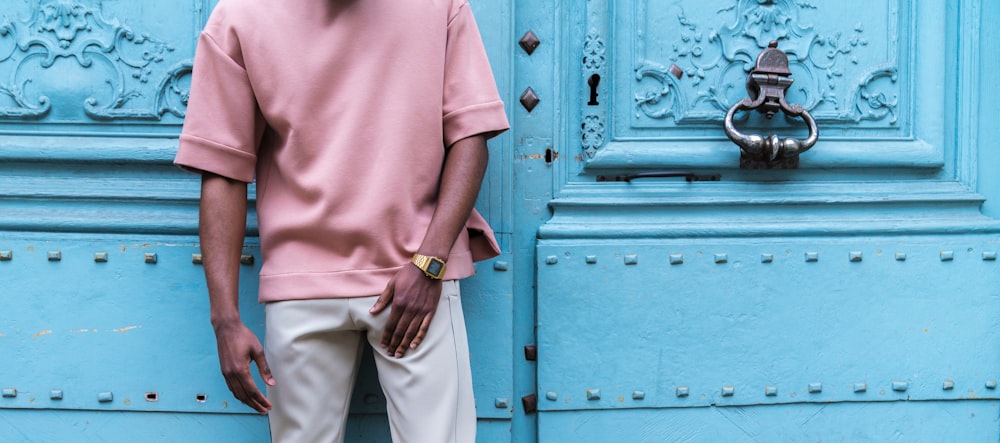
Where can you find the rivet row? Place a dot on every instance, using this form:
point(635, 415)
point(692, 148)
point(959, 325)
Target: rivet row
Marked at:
point(722, 258)
point(594, 394)
point(102, 397)
point(152, 258)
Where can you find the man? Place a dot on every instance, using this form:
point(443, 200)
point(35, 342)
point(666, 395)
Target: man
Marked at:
point(365, 124)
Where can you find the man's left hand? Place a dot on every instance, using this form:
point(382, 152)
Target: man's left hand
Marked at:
point(414, 298)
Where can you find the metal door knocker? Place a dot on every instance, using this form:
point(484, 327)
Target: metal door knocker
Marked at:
point(766, 86)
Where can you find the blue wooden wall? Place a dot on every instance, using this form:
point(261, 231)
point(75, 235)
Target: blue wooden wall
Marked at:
point(852, 299)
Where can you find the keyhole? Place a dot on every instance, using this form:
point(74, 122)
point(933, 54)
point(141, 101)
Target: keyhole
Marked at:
point(593, 81)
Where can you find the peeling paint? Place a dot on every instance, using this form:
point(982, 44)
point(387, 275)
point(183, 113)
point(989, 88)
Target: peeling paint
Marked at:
point(45, 332)
point(127, 328)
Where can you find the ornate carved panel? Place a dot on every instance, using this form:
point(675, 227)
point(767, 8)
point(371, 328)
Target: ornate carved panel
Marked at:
point(670, 70)
point(81, 62)
point(845, 66)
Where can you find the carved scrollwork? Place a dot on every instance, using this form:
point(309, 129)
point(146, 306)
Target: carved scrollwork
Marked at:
point(716, 62)
point(67, 55)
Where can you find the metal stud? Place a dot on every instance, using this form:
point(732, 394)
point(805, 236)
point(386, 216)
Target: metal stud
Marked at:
point(529, 99)
point(948, 385)
point(6, 255)
point(552, 396)
point(991, 384)
point(989, 255)
point(677, 259)
point(947, 255)
point(105, 397)
point(501, 403)
point(591, 259)
point(815, 388)
point(100, 257)
point(246, 259)
point(531, 353)
point(9, 392)
point(767, 258)
point(529, 41)
point(551, 260)
point(855, 256)
point(530, 403)
point(56, 394)
point(721, 258)
point(593, 394)
point(631, 259)
point(860, 387)
point(55, 255)
point(638, 395)
point(812, 257)
point(900, 386)
point(728, 391)
point(900, 256)
point(501, 266)
point(771, 391)
point(197, 259)
point(682, 391)
point(150, 257)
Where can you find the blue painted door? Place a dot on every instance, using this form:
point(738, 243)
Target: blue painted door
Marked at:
point(854, 298)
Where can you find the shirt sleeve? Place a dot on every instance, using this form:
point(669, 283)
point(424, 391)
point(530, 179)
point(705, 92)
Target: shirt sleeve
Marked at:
point(223, 125)
point(472, 104)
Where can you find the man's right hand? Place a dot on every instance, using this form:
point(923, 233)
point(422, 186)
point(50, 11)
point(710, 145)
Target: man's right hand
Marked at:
point(238, 346)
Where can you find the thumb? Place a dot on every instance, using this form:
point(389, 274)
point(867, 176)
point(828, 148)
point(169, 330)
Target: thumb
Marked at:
point(262, 367)
point(384, 299)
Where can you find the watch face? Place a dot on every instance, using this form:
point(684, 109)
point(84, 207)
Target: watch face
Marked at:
point(434, 267)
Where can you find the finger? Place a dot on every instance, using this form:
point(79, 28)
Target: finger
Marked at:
point(407, 337)
point(390, 327)
point(424, 327)
point(234, 381)
point(253, 397)
point(399, 334)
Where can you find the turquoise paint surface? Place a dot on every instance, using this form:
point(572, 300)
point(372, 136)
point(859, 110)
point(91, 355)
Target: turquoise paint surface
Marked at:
point(906, 163)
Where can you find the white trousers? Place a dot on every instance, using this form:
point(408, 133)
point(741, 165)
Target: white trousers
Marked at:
point(314, 348)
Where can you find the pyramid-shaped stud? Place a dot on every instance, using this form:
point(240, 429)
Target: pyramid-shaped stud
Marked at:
point(529, 42)
point(529, 99)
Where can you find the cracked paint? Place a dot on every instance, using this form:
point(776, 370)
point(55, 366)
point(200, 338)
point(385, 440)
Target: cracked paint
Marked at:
point(41, 333)
point(127, 328)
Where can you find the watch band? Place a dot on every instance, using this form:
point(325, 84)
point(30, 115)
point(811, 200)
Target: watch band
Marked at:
point(433, 267)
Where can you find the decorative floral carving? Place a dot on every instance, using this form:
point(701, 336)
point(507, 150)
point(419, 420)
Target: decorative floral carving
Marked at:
point(125, 60)
point(593, 53)
point(718, 60)
point(64, 18)
point(594, 65)
point(767, 20)
point(593, 133)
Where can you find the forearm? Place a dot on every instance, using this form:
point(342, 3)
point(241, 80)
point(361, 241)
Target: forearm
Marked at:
point(222, 227)
point(464, 167)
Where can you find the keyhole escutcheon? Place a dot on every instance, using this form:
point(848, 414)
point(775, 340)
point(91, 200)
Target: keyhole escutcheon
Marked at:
point(593, 82)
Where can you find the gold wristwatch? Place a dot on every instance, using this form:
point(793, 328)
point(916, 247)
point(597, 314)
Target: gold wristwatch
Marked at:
point(433, 267)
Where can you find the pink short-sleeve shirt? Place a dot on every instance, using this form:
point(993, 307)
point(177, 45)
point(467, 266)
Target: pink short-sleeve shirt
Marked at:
point(342, 111)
